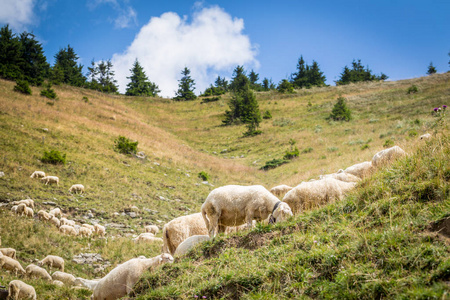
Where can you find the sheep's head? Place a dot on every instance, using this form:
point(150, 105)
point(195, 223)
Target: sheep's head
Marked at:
point(166, 258)
point(282, 213)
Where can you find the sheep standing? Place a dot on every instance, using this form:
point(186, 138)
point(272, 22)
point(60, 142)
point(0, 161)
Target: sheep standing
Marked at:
point(10, 264)
point(67, 278)
point(21, 209)
point(38, 174)
point(152, 229)
point(56, 212)
point(84, 231)
point(37, 272)
point(65, 221)
point(121, 280)
point(387, 155)
point(55, 221)
point(91, 227)
point(77, 188)
point(14, 209)
point(310, 194)
point(50, 179)
point(43, 215)
point(10, 252)
point(18, 289)
point(53, 261)
point(99, 230)
point(27, 202)
point(67, 229)
point(280, 190)
point(29, 212)
point(361, 170)
point(234, 205)
point(189, 243)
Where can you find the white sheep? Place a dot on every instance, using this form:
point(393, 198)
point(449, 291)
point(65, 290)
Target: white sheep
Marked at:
point(280, 190)
point(90, 284)
point(21, 209)
point(53, 261)
point(27, 202)
point(14, 209)
point(11, 264)
point(56, 212)
point(77, 188)
point(37, 272)
point(361, 170)
point(426, 136)
point(99, 230)
point(10, 252)
point(147, 237)
point(29, 212)
point(67, 278)
point(387, 155)
point(234, 205)
point(58, 283)
point(38, 174)
point(152, 229)
point(189, 243)
point(91, 227)
point(67, 229)
point(65, 221)
point(18, 289)
point(50, 179)
point(55, 221)
point(84, 231)
point(121, 280)
point(310, 194)
point(43, 215)
point(342, 176)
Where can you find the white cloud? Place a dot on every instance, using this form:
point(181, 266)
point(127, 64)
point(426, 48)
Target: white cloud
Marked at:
point(17, 13)
point(126, 14)
point(211, 43)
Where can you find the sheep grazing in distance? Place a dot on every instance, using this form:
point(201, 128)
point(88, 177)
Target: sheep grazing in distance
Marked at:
point(56, 212)
point(64, 221)
point(58, 283)
point(67, 278)
point(99, 230)
point(121, 280)
point(84, 231)
point(55, 221)
point(67, 229)
point(147, 237)
point(342, 176)
point(77, 188)
point(280, 190)
point(189, 243)
point(34, 271)
point(27, 202)
point(179, 229)
point(311, 194)
point(361, 170)
point(426, 136)
point(38, 174)
point(53, 261)
point(29, 212)
point(11, 264)
point(152, 229)
point(43, 215)
point(50, 179)
point(10, 252)
point(91, 227)
point(21, 209)
point(387, 155)
point(234, 205)
point(18, 289)
point(14, 209)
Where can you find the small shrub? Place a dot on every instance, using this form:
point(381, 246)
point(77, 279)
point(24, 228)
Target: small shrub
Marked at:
point(412, 133)
point(283, 122)
point(340, 111)
point(251, 132)
point(54, 157)
point(203, 175)
point(412, 89)
point(125, 146)
point(48, 92)
point(364, 147)
point(307, 150)
point(85, 99)
point(285, 87)
point(290, 154)
point(332, 149)
point(267, 115)
point(210, 99)
point(388, 143)
point(272, 164)
point(22, 87)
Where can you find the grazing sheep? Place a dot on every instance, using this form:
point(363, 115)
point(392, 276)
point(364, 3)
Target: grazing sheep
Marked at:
point(11, 264)
point(152, 228)
point(233, 205)
point(361, 170)
point(38, 174)
point(44, 216)
point(56, 212)
point(29, 212)
point(67, 278)
point(387, 155)
point(10, 252)
point(99, 230)
point(84, 231)
point(310, 194)
point(50, 179)
point(18, 289)
point(14, 209)
point(58, 283)
point(27, 202)
point(53, 261)
point(67, 229)
point(91, 227)
point(37, 272)
point(21, 209)
point(64, 221)
point(55, 221)
point(121, 280)
point(90, 284)
point(189, 243)
point(426, 136)
point(280, 190)
point(148, 238)
point(179, 229)
point(77, 188)
point(342, 176)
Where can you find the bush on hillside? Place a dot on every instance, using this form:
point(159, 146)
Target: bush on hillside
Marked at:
point(267, 115)
point(413, 89)
point(22, 87)
point(125, 146)
point(272, 164)
point(203, 175)
point(48, 92)
point(340, 111)
point(54, 157)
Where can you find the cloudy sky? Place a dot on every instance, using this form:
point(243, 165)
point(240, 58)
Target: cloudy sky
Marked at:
point(397, 37)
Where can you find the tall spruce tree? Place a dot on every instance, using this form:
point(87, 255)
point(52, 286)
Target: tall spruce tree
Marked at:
point(10, 54)
point(34, 65)
point(307, 76)
point(139, 84)
point(66, 70)
point(185, 87)
point(358, 73)
point(431, 69)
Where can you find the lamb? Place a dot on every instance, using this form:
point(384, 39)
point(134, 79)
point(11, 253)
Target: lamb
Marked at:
point(64, 221)
point(121, 280)
point(50, 179)
point(90, 284)
point(310, 194)
point(84, 231)
point(27, 202)
point(189, 243)
point(426, 136)
point(21, 209)
point(43, 215)
point(53, 261)
point(37, 272)
point(10, 252)
point(67, 278)
point(18, 289)
point(361, 170)
point(280, 190)
point(38, 174)
point(55, 221)
point(67, 229)
point(77, 188)
point(387, 155)
point(152, 228)
point(56, 212)
point(11, 264)
point(99, 229)
point(29, 212)
point(342, 176)
point(147, 237)
point(233, 205)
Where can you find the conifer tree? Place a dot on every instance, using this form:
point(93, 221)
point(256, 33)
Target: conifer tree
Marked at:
point(307, 76)
point(139, 84)
point(185, 87)
point(10, 54)
point(358, 73)
point(340, 111)
point(431, 69)
point(34, 64)
point(66, 64)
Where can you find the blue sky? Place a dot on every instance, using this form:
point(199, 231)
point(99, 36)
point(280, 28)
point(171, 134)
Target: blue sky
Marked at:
point(399, 38)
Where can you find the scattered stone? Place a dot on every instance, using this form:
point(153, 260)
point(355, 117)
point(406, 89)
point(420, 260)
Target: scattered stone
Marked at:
point(188, 175)
point(132, 214)
point(2, 174)
point(140, 155)
point(89, 216)
point(156, 164)
point(87, 258)
point(44, 129)
point(51, 203)
point(207, 183)
point(242, 156)
point(116, 214)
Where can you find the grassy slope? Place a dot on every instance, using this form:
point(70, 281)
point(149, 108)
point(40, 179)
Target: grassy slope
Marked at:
point(183, 138)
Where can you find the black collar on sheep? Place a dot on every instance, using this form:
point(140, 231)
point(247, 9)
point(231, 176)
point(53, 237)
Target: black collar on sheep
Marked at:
point(272, 219)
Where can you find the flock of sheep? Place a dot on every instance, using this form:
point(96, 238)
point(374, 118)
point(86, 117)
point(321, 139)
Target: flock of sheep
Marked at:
point(226, 209)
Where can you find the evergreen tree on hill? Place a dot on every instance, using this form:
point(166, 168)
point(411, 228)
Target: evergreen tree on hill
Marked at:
point(307, 76)
point(66, 70)
point(139, 84)
point(358, 73)
point(431, 69)
point(185, 87)
point(34, 65)
point(10, 54)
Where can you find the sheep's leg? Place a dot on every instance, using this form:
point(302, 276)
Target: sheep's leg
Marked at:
point(249, 219)
point(221, 228)
point(213, 223)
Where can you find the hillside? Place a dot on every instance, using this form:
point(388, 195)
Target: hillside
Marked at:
point(181, 139)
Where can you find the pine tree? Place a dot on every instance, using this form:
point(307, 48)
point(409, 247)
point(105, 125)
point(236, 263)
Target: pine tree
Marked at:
point(239, 81)
point(66, 63)
point(10, 54)
point(358, 73)
point(185, 87)
point(139, 84)
point(106, 77)
point(307, 76)
point(221, 83)
point(340, 111)
point(431, 69)
point(34, 65)
point(267, 84)
point(285, 87)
